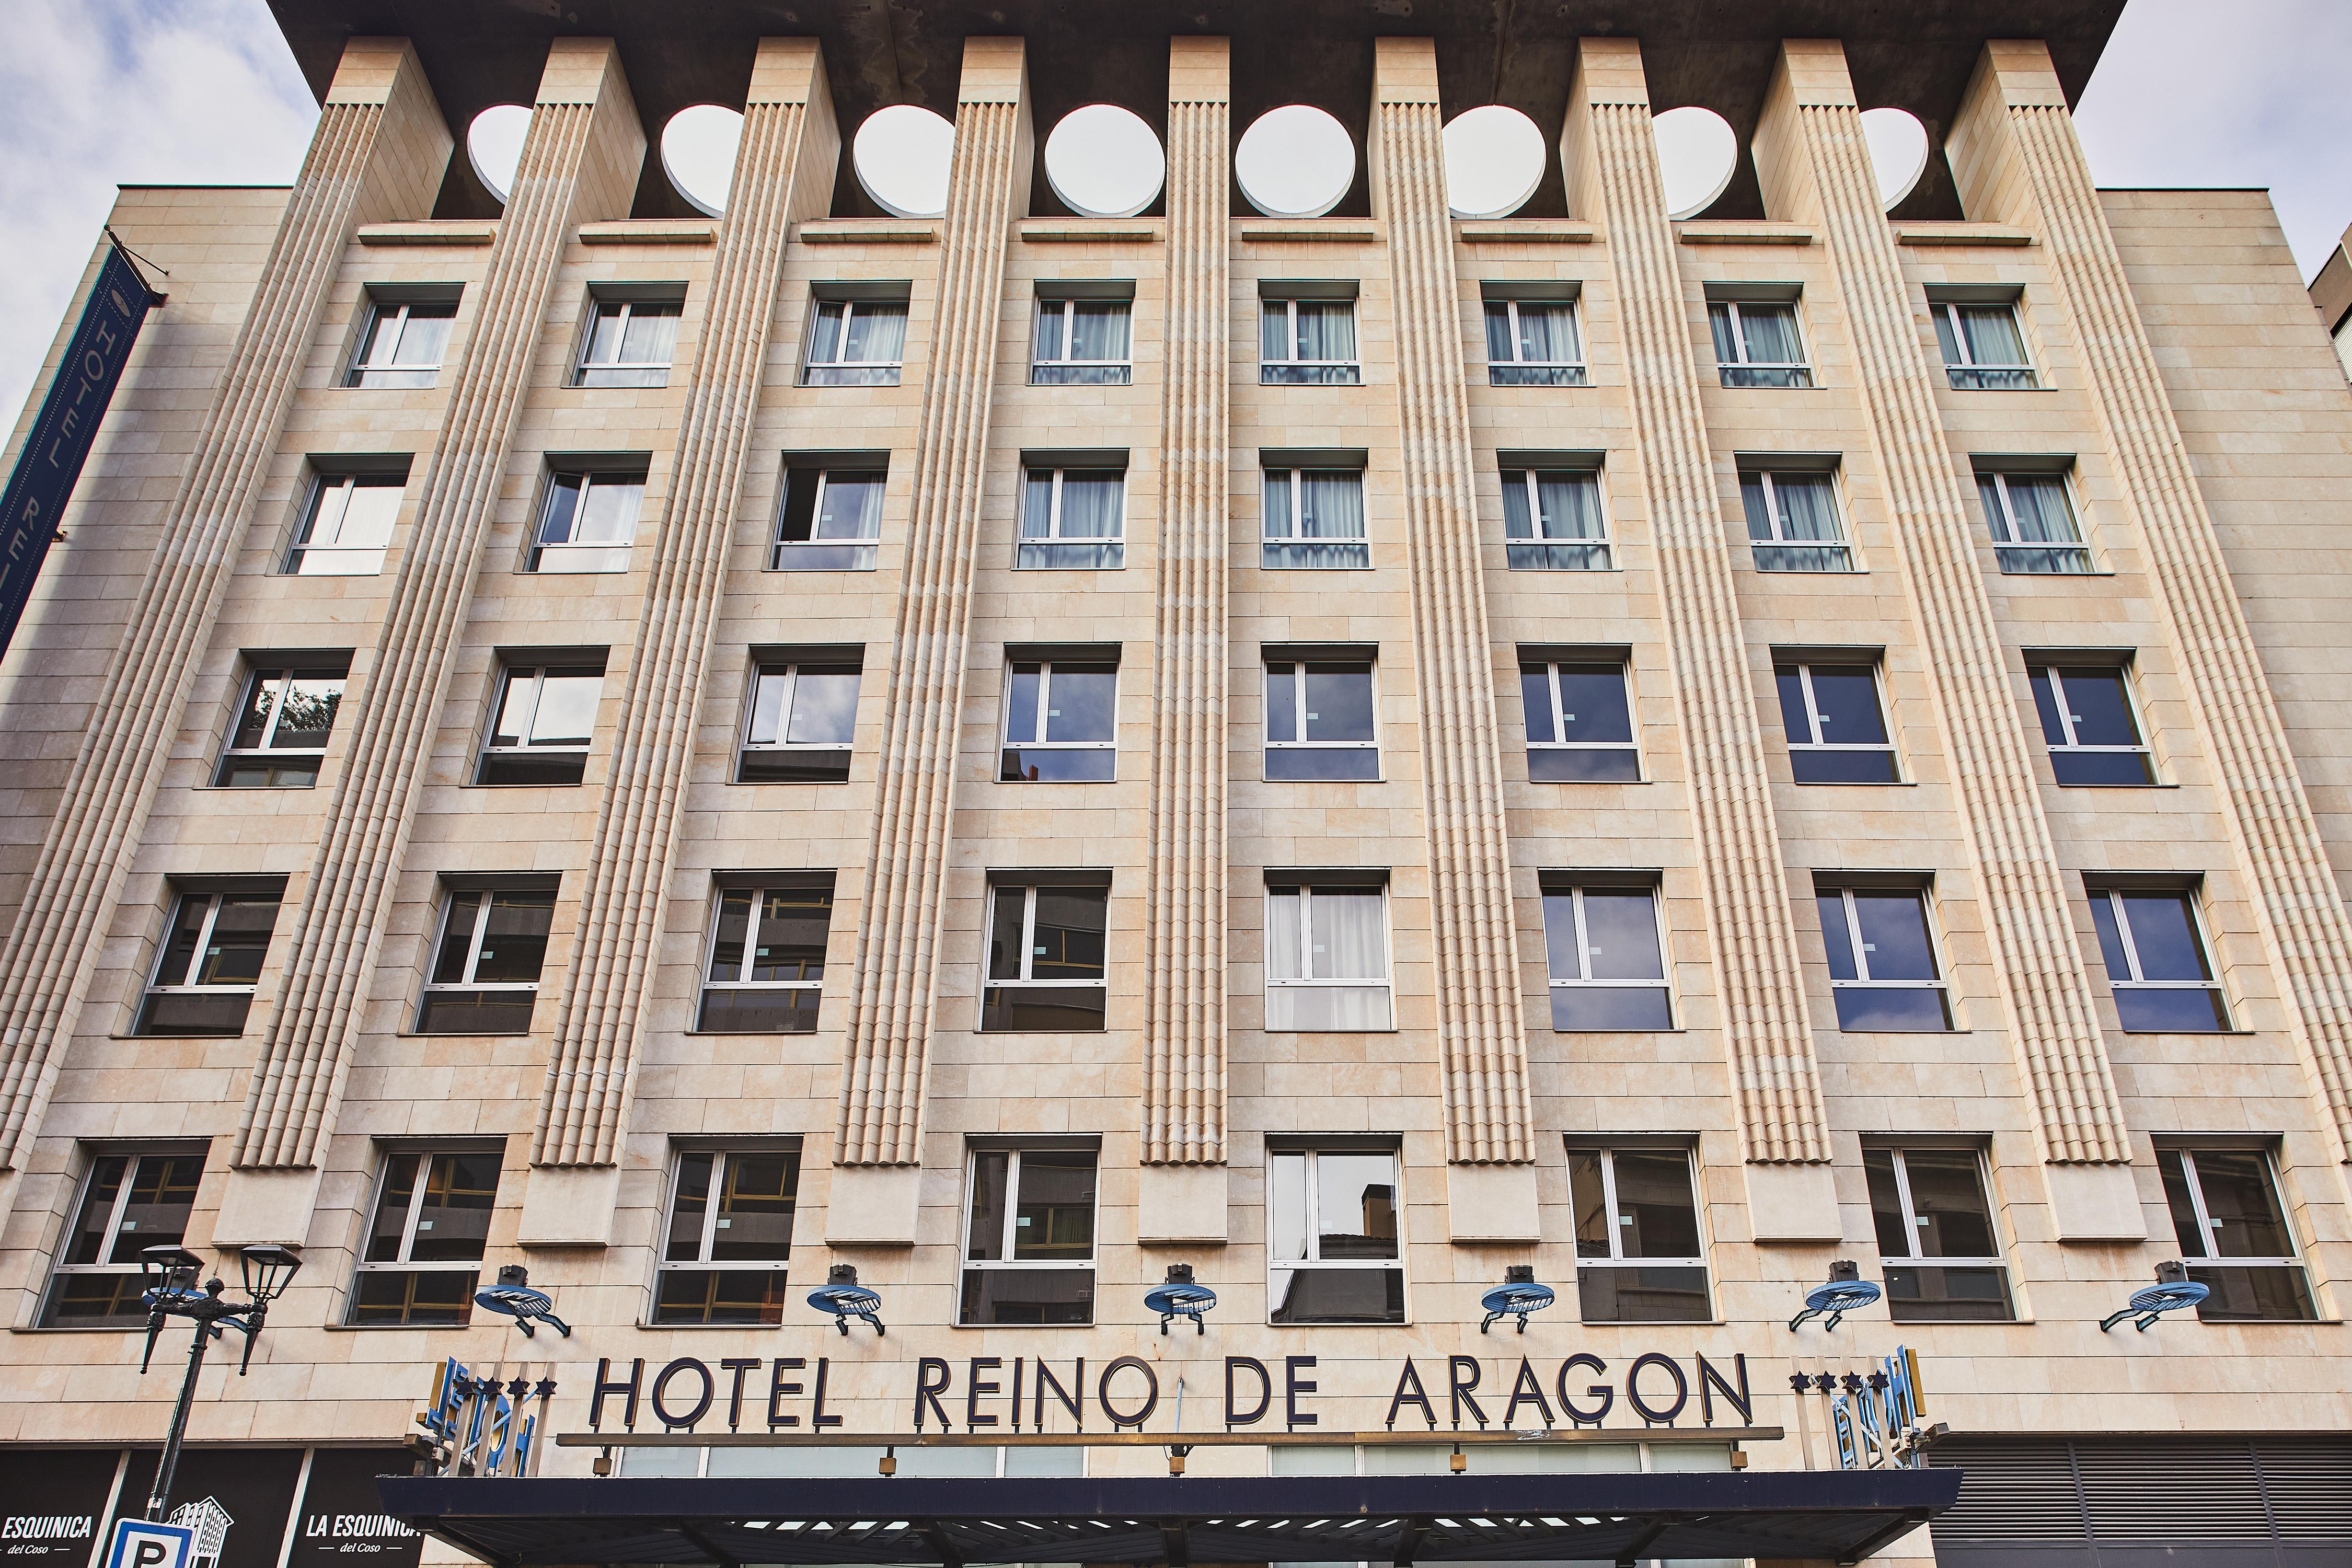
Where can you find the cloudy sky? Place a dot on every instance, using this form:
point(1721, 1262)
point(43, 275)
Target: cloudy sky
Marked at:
point(94, 93)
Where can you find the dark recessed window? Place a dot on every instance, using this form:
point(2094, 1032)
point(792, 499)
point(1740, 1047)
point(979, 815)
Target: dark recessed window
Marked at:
point(1756, 344)
point(1580, 725)
point(2087, 718)
point(1308, 342)
point(801, 723)
point(1532, 344)
point(1552, 521)
point(1083, 342)
point(1072, 519)
point(2156, 961)
point(1638, 1254)
point(210, 963)
point(129, 1203)
point(279, 741)
point(829, 520)
point(587, 520)
point(545, 717)
point(1935, 1236)
point(729, 1238)
point(1315, 520)
point(629, 343)
point(1061, 722)
point(2234, 1235)
point(767, 961)
point(1318, 720)
point(487, 965)
point(1792, 521)
point(1045, 958)
point(402, 343)
point(856, 342)
point(1836, 729)
point(2031, 519)
point(1607, 963)
point(1029, 1237)
point(424, 1250)
point(1333, 1254)
point(1884, 970)
point(1983, 350)
point(346, 525)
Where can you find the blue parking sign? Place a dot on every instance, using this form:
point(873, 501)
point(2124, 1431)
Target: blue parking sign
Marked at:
point(138, 1543)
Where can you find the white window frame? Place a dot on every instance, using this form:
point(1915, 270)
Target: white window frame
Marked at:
point(350, 482)
point(850, 309)
point(1814, 719)
point(1739, 345)
point(1298, 711)
point(582, 365)
point(404, 1263)
point(1052, 534)
point(779, 549)
point(1305, 891)
point(2068, 718)
point(1066, 308)
point(1045, 698)
point(702, 1263)
point(1605, 541)
point(399, 311)
point(1311, 1234)
point(751, 942)
point(1862, 981)
point(1584, 981)
point(1559, 714)
point(158, 985)
point(1294, 490)
point(1912, 1223)
point(1581, 365)
point(1290, 303)
point(761, 670)
point(485, 898)
point(113, 1231)
point(1950, 310)
point(264, 752)
point(1842, 545)
point(1028, 980)
point(2133, 981)
point(537, 674)
point(2003, 526)
point(540, 549)
point(1619, 1220)
point(1006, 1242)
point(2207, 1226)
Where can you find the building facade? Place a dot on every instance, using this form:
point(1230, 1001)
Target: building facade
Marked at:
point(1014, 748)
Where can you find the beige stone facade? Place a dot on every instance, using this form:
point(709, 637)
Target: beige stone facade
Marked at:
point(2182, 391)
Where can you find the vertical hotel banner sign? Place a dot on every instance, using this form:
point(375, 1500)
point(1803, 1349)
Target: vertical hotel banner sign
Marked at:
point(52, 459)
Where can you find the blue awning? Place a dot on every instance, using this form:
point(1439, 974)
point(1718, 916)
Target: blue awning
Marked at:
point(1840, 1515)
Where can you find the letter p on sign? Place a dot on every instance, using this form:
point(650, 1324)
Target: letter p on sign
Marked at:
point(140, 1545)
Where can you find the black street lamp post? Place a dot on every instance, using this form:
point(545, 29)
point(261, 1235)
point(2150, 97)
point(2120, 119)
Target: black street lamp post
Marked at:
point(170, 1275)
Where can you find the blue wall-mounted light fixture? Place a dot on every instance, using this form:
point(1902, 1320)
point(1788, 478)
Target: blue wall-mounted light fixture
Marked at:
point(2173, 1289)
point(1180, 1298)
point(845, 1298)
point(1846, 1291)
point(513, 1296)
point(1516, 1296)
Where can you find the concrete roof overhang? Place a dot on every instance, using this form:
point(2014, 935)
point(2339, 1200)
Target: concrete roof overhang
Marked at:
point(1913, 54)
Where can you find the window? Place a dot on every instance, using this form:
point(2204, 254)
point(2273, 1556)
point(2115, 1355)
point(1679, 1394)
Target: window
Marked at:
point(1315, 520)
point(587, 520)
point(1332, 1254)
point(829, 519)
point(346, 525)
point(1552, 521)
point(1318, 720)
point(280, 739)
point(629, 343)
point(2033, 524)
point(211, 961)
point(1638, 1254)
point(1083, 342)
point(2157, 963)
point(856, 342)
point(1883, 966)
point(545, 717)
point(1327, 957)
point(1307, 343)
point(1061, 722)
point(1837, 732)
point(424, 1250)
point(1608, 969)
point(1045, 955)
point(485, 966)
point(128, 1201)
point(2087, 719)
point(1073, 518)
point(402, 342)
point(1935, 1236)
point(1580, 725)
point(1533, 343)
point(1029, 1237)
point(729, 1236)
point(1792, 521)
point(1983, 350)
point(767, 960)
point(803, 720)
point(1755, 343)
point(2234, 1235)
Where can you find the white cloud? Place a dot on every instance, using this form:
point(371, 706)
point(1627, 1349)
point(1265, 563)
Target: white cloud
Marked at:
point(2250, 94)
point(96, 93)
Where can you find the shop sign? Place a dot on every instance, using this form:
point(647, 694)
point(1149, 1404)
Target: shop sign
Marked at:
point(1875, 1417)
point(484, 1425)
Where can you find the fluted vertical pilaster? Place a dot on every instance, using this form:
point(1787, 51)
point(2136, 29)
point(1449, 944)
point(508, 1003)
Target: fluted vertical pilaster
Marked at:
point(1483, 1041)
point(1810, 153)
point(1613, 173)
point(580, 161)
point(378, 152)
point(1184, 1077)
point(783, 172)
point(2017, 137)
point(883, 1073)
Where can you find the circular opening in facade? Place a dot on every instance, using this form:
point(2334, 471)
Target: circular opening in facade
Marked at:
point(698, 153)
point(901, 156)
point(1104, 161)
point(1296, 162)
point(494, 145)
point(1698, 154)
point(1899, 151)
point(1494, 161)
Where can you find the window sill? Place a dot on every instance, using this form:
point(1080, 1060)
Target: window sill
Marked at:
point(162, 1036)
point(459, 1035)
point(1676, 1030)
point(1958, 1322)
point(395, 1328)
point(1344, 1323)
point(985, 1326)
point(2158, 785)
point(2048, 577)
point(261, 789)
point(747, 1034)
point(1651, 1322)
point(576, 784)
point(750, 783)
point(1569, 783)
point(1390, 1030)
point(79, 1328)
point(1832, 784)
point(1939, 1034)
point(698, 1328)
point(2192, 1034)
